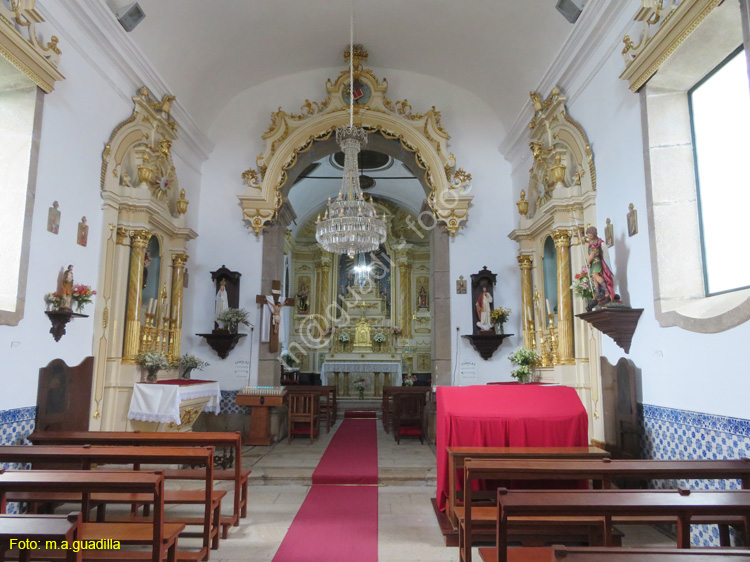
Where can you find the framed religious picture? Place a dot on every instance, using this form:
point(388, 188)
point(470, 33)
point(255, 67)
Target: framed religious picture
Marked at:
point(83, 233)
point(482, 297)
point(632, 221)
point(609, 234)
point(461, 285)
point(53, 218)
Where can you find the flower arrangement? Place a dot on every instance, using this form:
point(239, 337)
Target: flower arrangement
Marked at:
point(396, 331)
point(379, 337)
point(82, 295)
point(582, 285)
point(344, 337)
point(525, 358)
point(189, 362)
point(153, 363)
point(53, 300)
point(360, 385)
point(409, 380)
point(233, 317)
point(500, 315)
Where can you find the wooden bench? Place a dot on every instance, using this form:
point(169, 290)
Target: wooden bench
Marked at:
point(86, 456)
point(599, 554)
point(216, 439)
point(162, 537)
point(600, 471)
point(327, 400)
point(41, 528)
point(458, 455)
point(683, 506)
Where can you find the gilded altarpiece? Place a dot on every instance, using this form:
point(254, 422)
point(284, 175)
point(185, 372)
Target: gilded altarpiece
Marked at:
point(139, 305)
point(384, 319)
point(558, 203)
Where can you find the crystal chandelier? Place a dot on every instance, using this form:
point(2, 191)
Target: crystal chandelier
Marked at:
point(351, 224)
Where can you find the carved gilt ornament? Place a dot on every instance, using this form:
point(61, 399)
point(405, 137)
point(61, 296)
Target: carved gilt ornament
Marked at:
point(20, 43)
point(665, 24)
point(421, 134)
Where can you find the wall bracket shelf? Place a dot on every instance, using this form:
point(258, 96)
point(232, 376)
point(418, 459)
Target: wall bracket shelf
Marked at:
point(59, 319)
point(222, 342)
point(618, 323)
point(486, 344)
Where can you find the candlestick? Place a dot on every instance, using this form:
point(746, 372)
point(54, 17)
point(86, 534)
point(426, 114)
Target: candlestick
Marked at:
point(549, 308)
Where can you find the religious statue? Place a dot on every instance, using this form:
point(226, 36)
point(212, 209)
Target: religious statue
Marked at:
point(53, 218)
point(303, 297)
point(604, 285)
point(66, 288)
point(609, 234)
point(484, 308)
point(632, 220)
point(83, 232)
point(146, 263)
point(220, 302)
point(422, 298)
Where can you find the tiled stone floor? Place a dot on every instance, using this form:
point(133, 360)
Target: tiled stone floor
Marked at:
point(408, 531)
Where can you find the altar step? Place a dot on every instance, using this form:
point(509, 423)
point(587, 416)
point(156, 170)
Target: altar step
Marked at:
point(353, 403)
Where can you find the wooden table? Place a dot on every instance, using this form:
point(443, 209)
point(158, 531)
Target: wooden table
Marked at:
point(260, 415)
point(457, 457)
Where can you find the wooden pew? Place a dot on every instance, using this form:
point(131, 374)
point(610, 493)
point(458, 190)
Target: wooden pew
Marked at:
point(327, 400)
point(599, 554)
point(388, 393)
point(458, 455)
point(600, 471)
point(162, 537)
point(682, 505)
point(216, 439)
point(40, 528)
point(84, 457)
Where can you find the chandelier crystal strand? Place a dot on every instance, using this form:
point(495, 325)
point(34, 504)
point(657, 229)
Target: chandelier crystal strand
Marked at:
point(350, 224)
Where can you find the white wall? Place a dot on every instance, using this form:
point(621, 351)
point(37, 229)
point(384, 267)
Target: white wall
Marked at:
point(475, 131)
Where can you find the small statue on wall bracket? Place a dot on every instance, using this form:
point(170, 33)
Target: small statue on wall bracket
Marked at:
point(602, 278)
point(482, 292)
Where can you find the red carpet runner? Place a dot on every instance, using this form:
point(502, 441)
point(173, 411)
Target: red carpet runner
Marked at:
point(338, 521)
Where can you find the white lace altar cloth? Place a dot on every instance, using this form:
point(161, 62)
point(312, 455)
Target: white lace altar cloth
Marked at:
point(359, 367)
point(161, 402)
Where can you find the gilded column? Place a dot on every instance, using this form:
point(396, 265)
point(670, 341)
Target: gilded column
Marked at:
point(138, 242)
point(178, 270)
point(564, 298)
point(527, 303)
point(405, 283)
point(325, 275)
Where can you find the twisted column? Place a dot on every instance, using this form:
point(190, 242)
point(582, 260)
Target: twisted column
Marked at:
point(564, 298)
point(138, 242)
point(527, 302)
point(178, 271)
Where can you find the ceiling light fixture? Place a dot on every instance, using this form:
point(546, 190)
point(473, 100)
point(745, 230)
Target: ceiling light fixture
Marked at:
point(351, 224)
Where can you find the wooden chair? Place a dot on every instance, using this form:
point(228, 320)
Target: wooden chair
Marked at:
point(408, 416)
point(304, 414)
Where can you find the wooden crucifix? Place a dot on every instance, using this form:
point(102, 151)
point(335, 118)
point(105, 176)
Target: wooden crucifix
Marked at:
point(274, 304)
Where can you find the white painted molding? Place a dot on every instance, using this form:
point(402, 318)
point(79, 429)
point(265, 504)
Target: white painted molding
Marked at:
point(90, 27)
point(595, 36)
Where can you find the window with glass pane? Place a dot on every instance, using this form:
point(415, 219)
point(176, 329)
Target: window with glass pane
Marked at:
point(18, 99)
point(720, 116)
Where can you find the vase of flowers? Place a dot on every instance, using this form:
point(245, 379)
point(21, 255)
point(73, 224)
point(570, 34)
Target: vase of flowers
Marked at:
point(499, 317)
point(232, 318)
point(152, 363)
point(81, 296)
point(344, 339)
point(360, 385)
point(409, 380)
point(53, 300)
point(379, 339)
point(396, 331)
point(187, 363)
point(525, 359)
point(583, 285)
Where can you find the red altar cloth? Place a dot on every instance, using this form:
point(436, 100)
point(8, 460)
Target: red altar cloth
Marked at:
point(506, 416)
point(183, 382)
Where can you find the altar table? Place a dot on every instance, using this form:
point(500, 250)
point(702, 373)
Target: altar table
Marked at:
point(172, 405)
point(506, 416)
point(345, 368)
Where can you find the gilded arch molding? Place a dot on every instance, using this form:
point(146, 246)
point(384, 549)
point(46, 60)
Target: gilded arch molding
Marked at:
point(422, 134)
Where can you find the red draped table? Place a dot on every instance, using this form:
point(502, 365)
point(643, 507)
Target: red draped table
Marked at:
point(506, 416)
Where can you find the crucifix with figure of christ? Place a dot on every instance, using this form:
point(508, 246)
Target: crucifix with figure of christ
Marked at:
point(272, 304)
